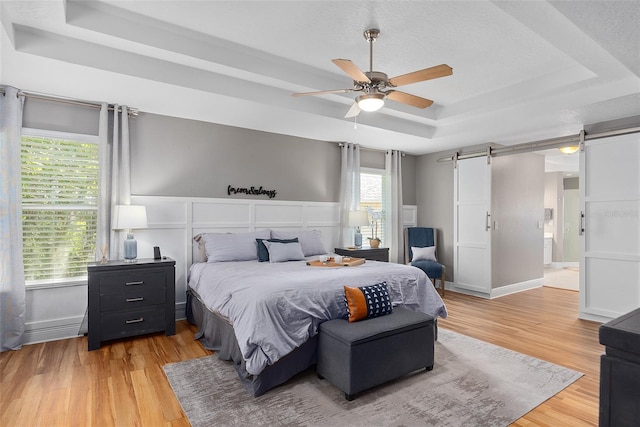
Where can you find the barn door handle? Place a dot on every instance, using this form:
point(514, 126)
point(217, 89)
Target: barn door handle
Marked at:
point(581, 224)
point(487, 225)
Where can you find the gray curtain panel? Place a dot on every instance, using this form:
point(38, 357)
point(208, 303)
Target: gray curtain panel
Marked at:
point(12, 289)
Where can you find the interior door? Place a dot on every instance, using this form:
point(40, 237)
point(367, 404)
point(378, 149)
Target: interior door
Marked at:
point(610, 227)
point(570, 236)
point(472, 224)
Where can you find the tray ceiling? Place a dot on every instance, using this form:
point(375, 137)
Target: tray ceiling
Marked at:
point(522, 70)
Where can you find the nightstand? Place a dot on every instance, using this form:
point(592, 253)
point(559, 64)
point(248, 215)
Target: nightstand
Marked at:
point(373, 254)
point(131, 298)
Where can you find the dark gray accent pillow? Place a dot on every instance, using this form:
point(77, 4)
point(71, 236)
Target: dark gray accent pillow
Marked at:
point(263, 253)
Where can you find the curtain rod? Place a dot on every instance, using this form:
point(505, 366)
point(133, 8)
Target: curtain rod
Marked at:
point(132, 112)
point(538, 145)
point(341, 144)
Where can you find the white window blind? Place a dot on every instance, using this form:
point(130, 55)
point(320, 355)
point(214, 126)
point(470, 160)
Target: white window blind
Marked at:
point(371, 197)
point(59, 207)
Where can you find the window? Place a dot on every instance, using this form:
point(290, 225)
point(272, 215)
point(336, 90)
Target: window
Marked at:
point(59, 205)
point(372, 197)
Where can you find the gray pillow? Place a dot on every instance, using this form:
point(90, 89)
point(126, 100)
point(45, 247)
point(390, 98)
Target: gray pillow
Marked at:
point(232, 246)
point(309, 240)
point(281, 252)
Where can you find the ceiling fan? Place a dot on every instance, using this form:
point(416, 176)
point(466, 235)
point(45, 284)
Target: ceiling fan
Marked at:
point(377, 86)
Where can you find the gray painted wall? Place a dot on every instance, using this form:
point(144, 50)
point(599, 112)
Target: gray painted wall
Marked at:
point(179, 157)
point(172, 156)
point(517, 209)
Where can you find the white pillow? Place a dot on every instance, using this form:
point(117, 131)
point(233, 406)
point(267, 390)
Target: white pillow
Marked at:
point(232, 246)
point(428, 253)
point(309, 240)
point(281, 252)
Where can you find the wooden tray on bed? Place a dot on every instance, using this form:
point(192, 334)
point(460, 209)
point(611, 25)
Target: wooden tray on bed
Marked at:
point(346, 262)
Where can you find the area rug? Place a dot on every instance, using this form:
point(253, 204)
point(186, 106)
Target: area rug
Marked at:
point(473, 383)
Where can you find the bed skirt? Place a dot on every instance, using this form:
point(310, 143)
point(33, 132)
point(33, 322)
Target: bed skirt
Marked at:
point(216, 334)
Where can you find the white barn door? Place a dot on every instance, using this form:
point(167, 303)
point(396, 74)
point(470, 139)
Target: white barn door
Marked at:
point(472, 224)
point(610, 227)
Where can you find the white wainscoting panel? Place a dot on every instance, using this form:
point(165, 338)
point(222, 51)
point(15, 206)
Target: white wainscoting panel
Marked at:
point(221, 212)
point(279, 214)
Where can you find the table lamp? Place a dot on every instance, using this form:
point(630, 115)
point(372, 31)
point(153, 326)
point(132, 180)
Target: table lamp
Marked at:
point(128, 217)
point(358, 219)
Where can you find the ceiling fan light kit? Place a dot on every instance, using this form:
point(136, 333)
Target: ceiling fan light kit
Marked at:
point(370, 101)
point(377, 86)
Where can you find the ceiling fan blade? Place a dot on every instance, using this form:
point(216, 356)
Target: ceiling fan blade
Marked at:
point(353, 111)
point(406, 98)
point(322, 92)
point(421, 75)
point(352, 70)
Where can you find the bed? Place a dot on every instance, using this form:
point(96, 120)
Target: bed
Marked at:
point(264, 316)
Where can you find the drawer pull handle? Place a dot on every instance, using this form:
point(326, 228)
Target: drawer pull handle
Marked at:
point(135, 321)
point(134, 283)
point(135, 299)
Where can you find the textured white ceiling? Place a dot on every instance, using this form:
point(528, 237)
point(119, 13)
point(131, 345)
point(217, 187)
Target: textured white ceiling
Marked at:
point(522, 70)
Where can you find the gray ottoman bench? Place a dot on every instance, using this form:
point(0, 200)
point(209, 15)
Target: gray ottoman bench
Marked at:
point(357, 356)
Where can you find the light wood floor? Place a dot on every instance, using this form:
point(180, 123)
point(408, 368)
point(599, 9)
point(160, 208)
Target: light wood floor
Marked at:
point(60, 383)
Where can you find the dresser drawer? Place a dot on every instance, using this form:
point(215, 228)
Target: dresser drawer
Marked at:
point(137, 297)
point(132, 282)
point(125, 323)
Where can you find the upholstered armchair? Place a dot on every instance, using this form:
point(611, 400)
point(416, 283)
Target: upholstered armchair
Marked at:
point(420, 251)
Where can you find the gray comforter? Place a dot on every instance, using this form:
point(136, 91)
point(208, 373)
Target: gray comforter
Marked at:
point(274, 308)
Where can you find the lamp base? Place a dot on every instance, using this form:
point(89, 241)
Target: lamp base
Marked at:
point(357, 240)
point(130, 248)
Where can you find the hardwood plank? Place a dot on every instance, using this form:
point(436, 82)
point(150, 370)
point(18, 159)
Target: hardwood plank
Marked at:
point(123, 383)
point(147, 402)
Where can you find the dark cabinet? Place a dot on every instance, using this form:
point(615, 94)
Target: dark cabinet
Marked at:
point(620, 371)
point(130, 298)
point(373, 254)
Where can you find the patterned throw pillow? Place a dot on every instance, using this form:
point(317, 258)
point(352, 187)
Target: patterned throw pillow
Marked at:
point(366, 302)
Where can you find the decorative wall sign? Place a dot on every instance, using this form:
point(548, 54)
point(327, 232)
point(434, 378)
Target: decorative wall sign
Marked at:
point(251, 191)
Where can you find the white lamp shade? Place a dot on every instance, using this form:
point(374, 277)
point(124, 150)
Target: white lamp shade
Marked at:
point(358, 218)
point(129, 217)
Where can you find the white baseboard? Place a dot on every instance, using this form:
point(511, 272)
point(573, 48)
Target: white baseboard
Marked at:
point(51, 330)
point(593, 317)
point(575, 264)
point(451, 286)
point(516, 287)
point(498, 292)
point(181, 310)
